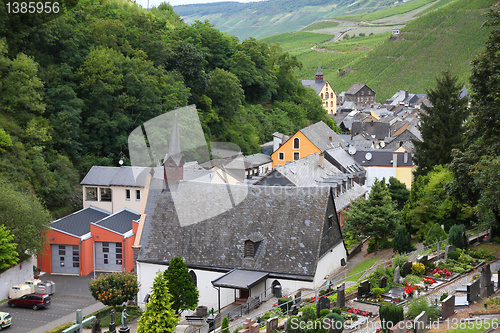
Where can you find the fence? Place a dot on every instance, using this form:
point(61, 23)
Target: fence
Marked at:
point(337, 280)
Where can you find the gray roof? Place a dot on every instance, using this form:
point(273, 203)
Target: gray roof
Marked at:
point(288, 249)
point(355, 88)
point(316, 85)
point(381, 157)
point(346, 198)
point(119, 222)
point(116, 176)
point(307, 172)
point(346, 161)
point(372, 128)
point(240, 279)
point(257, 159)
point(78, 223)
point(320, 134)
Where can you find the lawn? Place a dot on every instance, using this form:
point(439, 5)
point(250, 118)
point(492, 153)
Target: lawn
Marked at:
point(361, 267)
point(472, 327)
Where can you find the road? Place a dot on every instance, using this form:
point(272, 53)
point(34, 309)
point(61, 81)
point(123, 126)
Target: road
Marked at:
point(72, 293)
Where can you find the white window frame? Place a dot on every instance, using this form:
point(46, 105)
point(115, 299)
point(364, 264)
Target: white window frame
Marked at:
point(281, 157)
point(296, 153)
point(298, 140)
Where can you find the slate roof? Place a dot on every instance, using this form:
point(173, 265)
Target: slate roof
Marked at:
point(78, 223)
point(320, 133)
point(354, 89)
point(116, 176)
point(346, 162)
point(345, 198)
point(291, 221)
point(378, 130)
point(257, 159)
point(315, 84)
point(119, 222)
point(381, 157)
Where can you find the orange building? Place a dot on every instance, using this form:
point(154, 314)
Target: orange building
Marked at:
point(315, 138)
point(90, 239)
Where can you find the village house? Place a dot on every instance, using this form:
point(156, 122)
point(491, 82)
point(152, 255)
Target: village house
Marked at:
point(360, 94)
point(324, 90)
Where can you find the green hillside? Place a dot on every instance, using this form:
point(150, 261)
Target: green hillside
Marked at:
point(443, 39)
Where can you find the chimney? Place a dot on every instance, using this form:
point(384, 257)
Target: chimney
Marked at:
point(405, 157)
point(321, 160)
point(395, 160)
point(330, 138)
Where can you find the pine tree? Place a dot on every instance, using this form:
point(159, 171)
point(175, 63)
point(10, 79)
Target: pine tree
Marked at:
point(441, 125)
point(401, 242)
point(159, 316)
point(225, 325)
point(399, 192)
point(377, 216)
point(180, 283)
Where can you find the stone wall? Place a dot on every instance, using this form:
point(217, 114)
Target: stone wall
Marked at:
point(15, 275)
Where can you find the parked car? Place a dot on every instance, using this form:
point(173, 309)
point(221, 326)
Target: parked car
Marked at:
point(5, 320)
point(34, 301)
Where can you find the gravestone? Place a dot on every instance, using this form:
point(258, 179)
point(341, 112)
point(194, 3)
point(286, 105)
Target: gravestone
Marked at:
point(420, 322)
point(294, 310)
point(341, 296)
point(472, 291)
point(364, 289)
point(448, 307)
point(406, 269)
point(448, 249)
point(397, 274)
point(271, 324)
point(201, 311)
point(249, 326)
point(400, 327)
point(297, 298)
point(423, 259)
point(322, 303)
point(382, 283)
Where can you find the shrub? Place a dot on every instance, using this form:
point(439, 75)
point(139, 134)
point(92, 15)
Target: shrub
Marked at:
point(284, 303)
point(401, 242)
point(481, 254)
point(418, 305)
point(418, 268)
point(459, 270)
point(443, 296)
point(466, 259)
point(336, 322)
point(239, 328)
point(390, 315)
point(336, 310)
point(457, 236)
point(413, 279)
point(453, 255)
point(225, 324)
point(317, 327)
point(400, 260)
point(324, 312)
point(309, 312)
point(377, 292)
point(435, 234)
point(291, 325)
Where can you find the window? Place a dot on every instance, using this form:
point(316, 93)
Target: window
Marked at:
point(321, 95)
point(76, 256)
point(137, 195)
point(362, 93)
point(296, 143)
point(249, 249)
point(127, 194)
point(326, 95)
point(330, 221)
point(194, 278)
point(326, 104)
point(105, 194)
point(91, 193)
point(331, 95)
point(281, 156)
point(331, 104)
point(62, 250)
point(105, 248)
point(296, 156)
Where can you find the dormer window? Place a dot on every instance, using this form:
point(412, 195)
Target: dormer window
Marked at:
point(330, 221)
point(249, 249)
point(296, 143)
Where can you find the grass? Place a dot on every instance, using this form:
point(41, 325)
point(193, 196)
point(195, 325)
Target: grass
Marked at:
point(361, 267)
point(472, 327)
point(491, 248)
point(321, 25)
point(357, 43)
point(296, 41)
point(397, 10)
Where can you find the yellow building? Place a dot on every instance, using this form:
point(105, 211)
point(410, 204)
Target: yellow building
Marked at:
point(312, 139)
point(324, 90)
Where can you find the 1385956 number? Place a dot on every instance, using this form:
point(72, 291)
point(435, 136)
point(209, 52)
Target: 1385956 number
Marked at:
point(32, 7)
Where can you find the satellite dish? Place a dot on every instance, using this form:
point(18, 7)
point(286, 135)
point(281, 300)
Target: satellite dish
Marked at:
point(120, 162)
point(352, 150)
point(382, 144)
point(368, 156)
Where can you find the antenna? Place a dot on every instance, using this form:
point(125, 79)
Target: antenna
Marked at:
point(368, 156)
point(352, 150)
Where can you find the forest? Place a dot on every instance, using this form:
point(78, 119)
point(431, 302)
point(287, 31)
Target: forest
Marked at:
point(74, 85)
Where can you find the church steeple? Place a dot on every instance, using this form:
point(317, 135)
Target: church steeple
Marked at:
point(173, 164)
point(319, 75)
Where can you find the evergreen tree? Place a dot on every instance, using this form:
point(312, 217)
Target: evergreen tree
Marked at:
point(159, 316)
point(377, 216)
point(399, 192)
point(435, 234)
point(401, 242)
point(441, 125)
point(457, 236)
point(180, 284)
point(225, 325)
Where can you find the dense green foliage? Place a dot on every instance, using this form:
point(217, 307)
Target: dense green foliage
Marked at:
point(476, 167)
point(435, 234)
point(159, 316)
point(225, 325)
point(429, 203)
point(401, 243)
point(377, 216)
point(441, 124)
point(420, 304)
point(180, 285)
point(457, 236)
point(8, 253)
point(390, 315)
point(115, 288)
point(399, 192)
point(336, 322)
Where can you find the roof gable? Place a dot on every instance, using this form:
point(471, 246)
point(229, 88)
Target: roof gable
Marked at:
point(78, 223)
point(120, 222)
point(322, 136)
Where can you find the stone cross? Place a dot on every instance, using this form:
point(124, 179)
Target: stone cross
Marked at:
point(249, 326)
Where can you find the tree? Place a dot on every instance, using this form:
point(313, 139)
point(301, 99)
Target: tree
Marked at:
point(441, 125)
point(180, 284)
point(435, 234)
point(377, 216)
point(115, 288)
point(457, 236)
point(476, 167)
point(401, 242)
point(399, 192)
point(225, 325)
point(8, 255)
point(226, 92)
point(159, 316)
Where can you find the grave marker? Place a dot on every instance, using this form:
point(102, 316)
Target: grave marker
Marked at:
point(341, 296)
point(448, 306)
point(271, 324)
point(397, 274)
point(448, 249)
point(382, 283)
point(406, 269)
point(364, 289)
point(420, 322)
point(472, 291)
point(322, 303)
